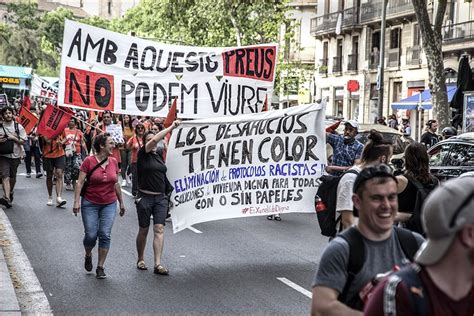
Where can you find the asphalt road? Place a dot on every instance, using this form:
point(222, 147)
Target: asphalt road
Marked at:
point(232, 267)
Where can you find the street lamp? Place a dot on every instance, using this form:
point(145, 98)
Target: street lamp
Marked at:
point(381, 60)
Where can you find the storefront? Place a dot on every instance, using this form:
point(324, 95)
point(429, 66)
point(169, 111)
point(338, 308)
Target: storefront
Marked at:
point(14, 81)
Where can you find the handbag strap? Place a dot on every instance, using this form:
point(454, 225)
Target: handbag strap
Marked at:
point(89, 174)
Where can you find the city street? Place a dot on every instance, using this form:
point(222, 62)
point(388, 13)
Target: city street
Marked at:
point(241, 266)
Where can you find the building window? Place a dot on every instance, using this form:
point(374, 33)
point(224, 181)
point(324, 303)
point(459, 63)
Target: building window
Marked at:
point(109, 7)
point(395, 38)
point(416, 34)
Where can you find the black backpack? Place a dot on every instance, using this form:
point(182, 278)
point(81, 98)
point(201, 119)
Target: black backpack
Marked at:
point(326, 200)
point(357, 258)
point(414, 223)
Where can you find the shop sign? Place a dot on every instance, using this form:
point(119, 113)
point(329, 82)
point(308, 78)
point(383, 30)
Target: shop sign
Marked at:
point(9, 80)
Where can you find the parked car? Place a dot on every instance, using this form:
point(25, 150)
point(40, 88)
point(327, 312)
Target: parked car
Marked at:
point(399, 141)
point(452, 157)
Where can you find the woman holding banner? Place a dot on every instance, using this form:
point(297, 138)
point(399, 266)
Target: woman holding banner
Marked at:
point(134, 144)
point(152, 197)
point(74, 145)
point(99, 174)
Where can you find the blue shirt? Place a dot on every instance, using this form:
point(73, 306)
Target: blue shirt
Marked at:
point(344, 155)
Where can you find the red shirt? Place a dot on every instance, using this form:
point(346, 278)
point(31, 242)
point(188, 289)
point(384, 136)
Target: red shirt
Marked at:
point(101, 187)
point(135, 143)
point(75, 136)
point(440, 303)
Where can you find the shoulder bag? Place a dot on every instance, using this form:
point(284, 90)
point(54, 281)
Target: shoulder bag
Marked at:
point(89, 174)
point(7, 146)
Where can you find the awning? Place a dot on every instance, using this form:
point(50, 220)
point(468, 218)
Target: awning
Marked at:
point(15, 72)
point(412, 103)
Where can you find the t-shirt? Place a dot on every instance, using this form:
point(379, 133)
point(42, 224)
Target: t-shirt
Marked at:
point(127, 133)
point(10, 131)
point(344, 190)
point(440, 303)
point(151, 171)
point(135, 143)
point(54, 149)
point(380, 257)
point(74, 136)
point(429, 139)
point(101, 186)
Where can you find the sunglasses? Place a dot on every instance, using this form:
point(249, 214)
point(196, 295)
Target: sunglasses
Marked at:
point(379, 171)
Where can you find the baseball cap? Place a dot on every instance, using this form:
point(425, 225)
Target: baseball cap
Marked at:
point(446, 210)
point(352, 123)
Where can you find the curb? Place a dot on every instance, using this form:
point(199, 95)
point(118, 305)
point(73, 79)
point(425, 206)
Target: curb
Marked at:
point(16, 269)
point(8, 301)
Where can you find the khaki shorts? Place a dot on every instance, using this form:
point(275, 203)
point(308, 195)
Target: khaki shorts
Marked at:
point(8, 167)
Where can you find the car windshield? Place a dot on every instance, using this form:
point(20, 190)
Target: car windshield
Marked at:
point(398, 146)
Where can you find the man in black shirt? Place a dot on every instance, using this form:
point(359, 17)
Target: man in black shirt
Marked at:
point(152, 197)
point(430, 138)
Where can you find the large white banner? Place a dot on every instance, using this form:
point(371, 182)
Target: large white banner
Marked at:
point(40, 87)
point(103, 70)
point(256, 164)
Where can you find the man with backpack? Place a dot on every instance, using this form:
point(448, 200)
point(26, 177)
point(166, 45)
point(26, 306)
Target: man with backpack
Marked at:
point(374, 246)
point(441, 282)
point(12, 138)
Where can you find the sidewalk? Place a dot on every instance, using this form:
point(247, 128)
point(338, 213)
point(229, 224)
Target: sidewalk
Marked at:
point(20, 290)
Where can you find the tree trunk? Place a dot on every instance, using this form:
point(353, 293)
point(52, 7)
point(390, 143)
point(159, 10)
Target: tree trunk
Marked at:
point(432, 41)
point(235, 23)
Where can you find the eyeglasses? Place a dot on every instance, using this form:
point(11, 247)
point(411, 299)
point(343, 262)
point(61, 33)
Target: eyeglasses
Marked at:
point(378, 171)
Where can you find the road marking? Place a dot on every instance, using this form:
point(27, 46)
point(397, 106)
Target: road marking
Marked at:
point(30, 294)
point(191, 228)
point(127, 193)
point(296, 287)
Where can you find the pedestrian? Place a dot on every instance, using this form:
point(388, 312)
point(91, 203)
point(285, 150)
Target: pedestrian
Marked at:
point(336, 286)
point(134, 144)
point(35, 153)
point(406, 128)
point(430, 138)
point(392, 121)
point(346, 149)
point(377, 150)
point(98, 204)
point(441, 280)
point(74, 145)
point(54, 163)
point(125, 153)
point(12, 138)
point(414, 185)
point(152, 197)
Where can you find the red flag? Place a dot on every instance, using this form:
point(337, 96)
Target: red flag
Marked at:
point(53, 121)
point(171, 117)
point(331, 128)
point(26, 102)
point(265, 104)
point(27, 119)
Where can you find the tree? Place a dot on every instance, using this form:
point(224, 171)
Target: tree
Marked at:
point(432, 45)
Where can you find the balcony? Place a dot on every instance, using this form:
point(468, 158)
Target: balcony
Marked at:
point(372, 11)
point(304, 55)
point(414, 56)
point(352, 62)
point(393, 57)
point(337, 64)
point(324, 24)
point(323, 66)
point(457, 32)
point(350, 17)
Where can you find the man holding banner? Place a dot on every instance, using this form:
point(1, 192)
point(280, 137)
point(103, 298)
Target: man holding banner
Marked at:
point(12, 138)
point(54, 163)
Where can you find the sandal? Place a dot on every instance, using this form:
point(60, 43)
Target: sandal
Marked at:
point(270, 217)
point(159, 269)
point(277, 218)
point(141, 265)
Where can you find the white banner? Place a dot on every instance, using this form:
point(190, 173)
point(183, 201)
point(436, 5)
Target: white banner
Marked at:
point(40, 87)
point(255, 164)
point(103, 70)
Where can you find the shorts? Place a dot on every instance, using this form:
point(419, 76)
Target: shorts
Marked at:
point(147, 205)
point(49, 164)
point(8, 167)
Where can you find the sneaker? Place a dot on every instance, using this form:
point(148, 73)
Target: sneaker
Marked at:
point(88, 263)
point(39, 175)
point(99, 273)
point(60, 202)
point(28, 175)
point(124, 183)
point(50, 201)
point(5, 202)
point(69, 187)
